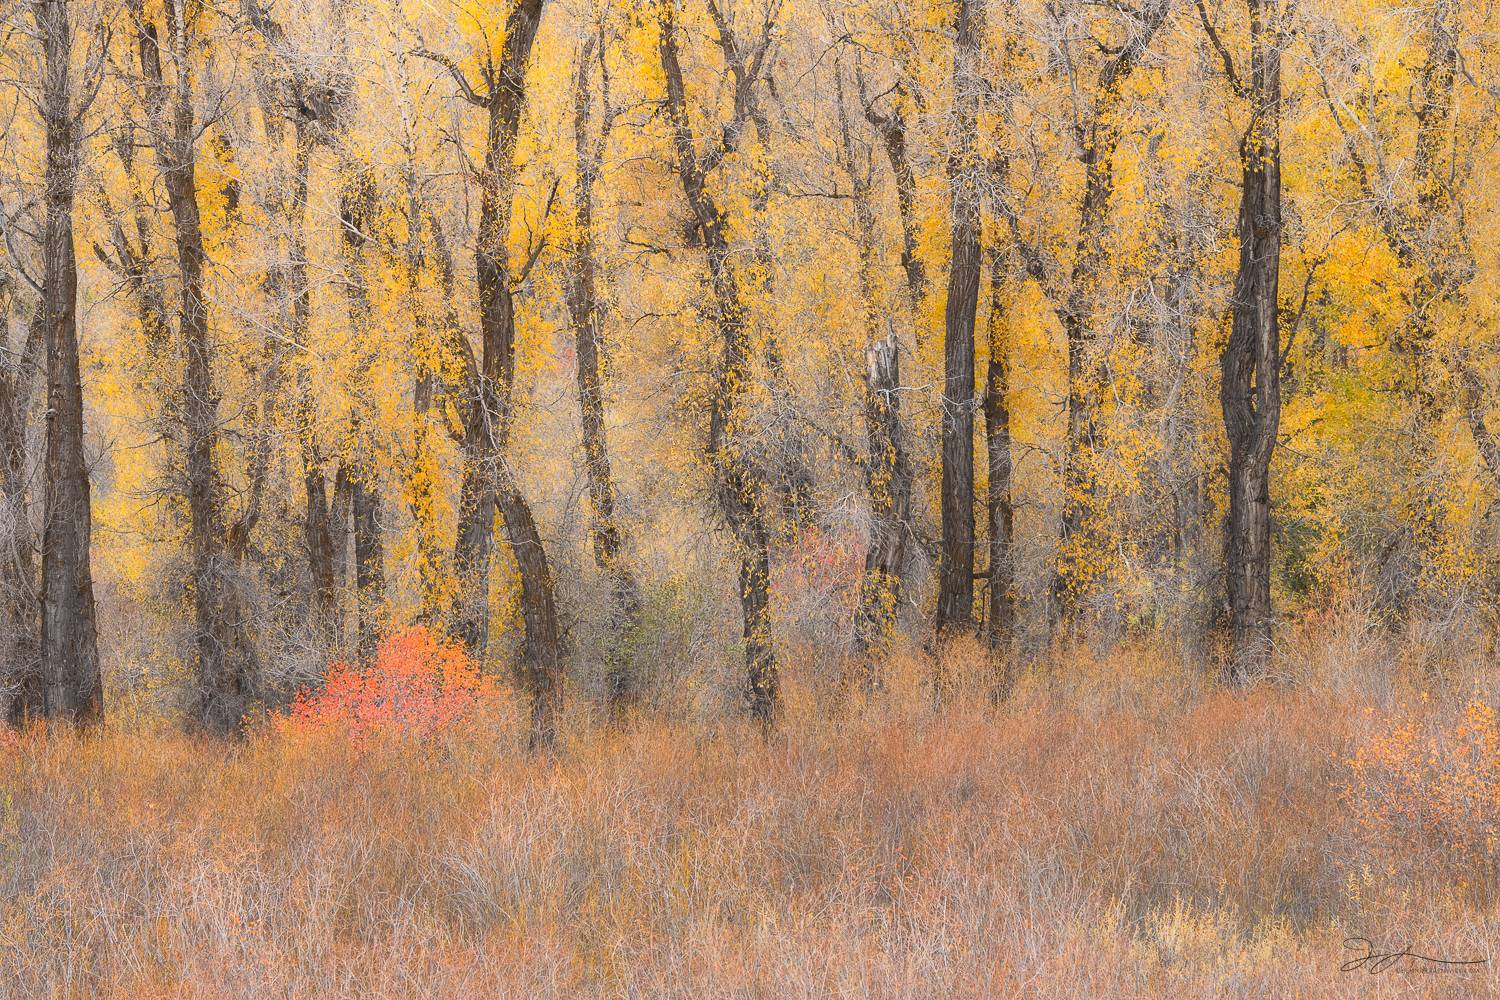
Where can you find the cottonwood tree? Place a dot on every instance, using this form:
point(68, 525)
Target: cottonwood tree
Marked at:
point(587, 315)
point(1250, 393)
point(224, 654)
point(955, 606)
point(69, 644)
point(739, 487)
point(999, 503)
point(49, 624)
point(1414, 166)
point(1098, 129)
point(488, 480)
point(886, 463)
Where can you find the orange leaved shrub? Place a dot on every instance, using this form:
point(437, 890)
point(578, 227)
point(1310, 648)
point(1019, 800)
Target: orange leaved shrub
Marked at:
point(1419, 790)
point(418, 685)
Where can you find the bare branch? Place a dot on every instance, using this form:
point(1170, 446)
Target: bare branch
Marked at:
point(470, 95)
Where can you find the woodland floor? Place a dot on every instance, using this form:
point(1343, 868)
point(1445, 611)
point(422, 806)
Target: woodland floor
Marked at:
point(1119, 829)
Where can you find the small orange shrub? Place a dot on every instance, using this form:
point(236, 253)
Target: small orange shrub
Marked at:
point(418, 685)
point(1418, 790)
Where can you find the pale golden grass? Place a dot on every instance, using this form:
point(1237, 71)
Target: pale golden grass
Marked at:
point(1120, 828)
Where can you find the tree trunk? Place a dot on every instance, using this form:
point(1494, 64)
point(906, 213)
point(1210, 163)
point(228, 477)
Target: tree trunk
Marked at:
point(1430, 214)
point(317, 527)
point(475, 545)
point(369, 556)
point(21, 679)
point(1251, 393)
point(999, 509)
point(487, 478)
point(356, 205)
point(225, 659)
point(955, 608)
point(586, 315)
point(541, 651)
point(887, 465)
point(892, 130)
point(70, 653)
point(888, 481)
point(739, 488)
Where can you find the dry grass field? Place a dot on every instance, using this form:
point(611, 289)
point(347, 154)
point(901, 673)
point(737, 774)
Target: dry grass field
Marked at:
point(1120, 828)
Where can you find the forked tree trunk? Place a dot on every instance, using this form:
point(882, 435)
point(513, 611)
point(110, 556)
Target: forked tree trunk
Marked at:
point(1251, 393)
point(586, 315)
point(488, 482)
point(955, 608)
point(70, 653)
point(739, 488)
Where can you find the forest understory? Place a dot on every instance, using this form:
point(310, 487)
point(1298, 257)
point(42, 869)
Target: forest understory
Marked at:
point(749, 498)
point(1121, 827)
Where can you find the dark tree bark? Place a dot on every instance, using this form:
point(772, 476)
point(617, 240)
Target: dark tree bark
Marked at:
point(586, 313)
point(356, 205)
point(891, 128)
point(999, 510)
point(369, 554)
point(317, 519)
point(1251, 392)
point(225, 657)
point(739, 488)
point(955, 608)
point(70, 652)
point(488, 482)
point(21, 679)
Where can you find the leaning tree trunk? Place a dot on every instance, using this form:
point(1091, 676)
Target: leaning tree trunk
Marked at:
point(70, 652)
point(955, 608)
point(892, 130)
point(1251, 393)
point(585, 313)
point(21, 680)
point(739, 488)
point(224, 655)
point(488, 481)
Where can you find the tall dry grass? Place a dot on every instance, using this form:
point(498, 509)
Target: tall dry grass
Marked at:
point(1120, 828)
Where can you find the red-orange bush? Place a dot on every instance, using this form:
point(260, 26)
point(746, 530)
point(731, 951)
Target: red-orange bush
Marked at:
point(1419, 789)
point(418, 685)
